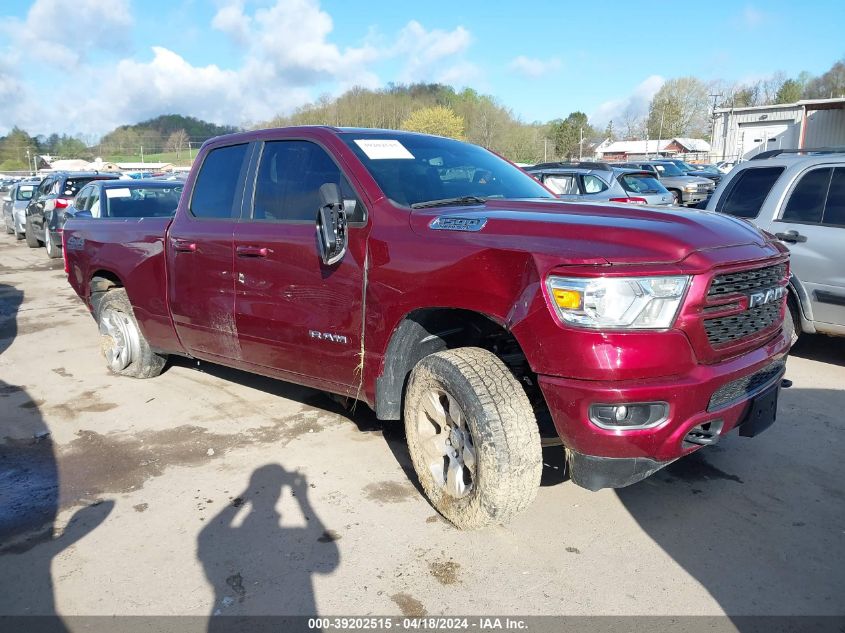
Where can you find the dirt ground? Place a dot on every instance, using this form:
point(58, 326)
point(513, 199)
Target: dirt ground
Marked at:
point(208, 490)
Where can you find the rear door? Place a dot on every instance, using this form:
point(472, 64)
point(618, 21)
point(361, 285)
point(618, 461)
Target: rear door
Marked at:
point(294, 313)
point(201, 287)
point(812, 225)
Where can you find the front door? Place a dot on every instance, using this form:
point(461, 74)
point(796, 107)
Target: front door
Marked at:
point(812, 225)
point(294, 313)
point(201, 286)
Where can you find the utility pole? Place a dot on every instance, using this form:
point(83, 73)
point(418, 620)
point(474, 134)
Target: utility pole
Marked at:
point(581, 144)
point(713, 124)
point(660, 133)
point(190, 152)
point(142, 154)
point(545, 150)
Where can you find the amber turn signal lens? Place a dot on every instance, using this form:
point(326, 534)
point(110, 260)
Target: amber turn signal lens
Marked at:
point(567, 299)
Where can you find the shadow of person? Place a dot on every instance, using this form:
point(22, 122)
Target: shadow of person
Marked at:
point(757, 522)
point(29, 494)
point(261, 561)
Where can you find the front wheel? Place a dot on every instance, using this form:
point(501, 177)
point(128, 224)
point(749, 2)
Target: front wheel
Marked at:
point(473, 437)
point(124, 347)
point(676, 197)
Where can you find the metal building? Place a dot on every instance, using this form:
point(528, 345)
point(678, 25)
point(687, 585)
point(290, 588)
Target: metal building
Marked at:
point(740, 133)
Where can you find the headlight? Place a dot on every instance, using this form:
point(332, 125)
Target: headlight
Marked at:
point(617, 302)
point(691, 187)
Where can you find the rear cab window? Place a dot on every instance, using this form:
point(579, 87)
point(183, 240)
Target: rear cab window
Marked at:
point(216, 188)
point(748, 191)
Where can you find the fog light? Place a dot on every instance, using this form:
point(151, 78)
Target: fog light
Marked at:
point(641, 415)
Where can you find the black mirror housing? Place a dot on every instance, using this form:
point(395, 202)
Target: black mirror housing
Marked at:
point(332, 235)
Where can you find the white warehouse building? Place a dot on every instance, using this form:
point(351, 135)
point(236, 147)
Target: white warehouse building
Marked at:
point(740, 133)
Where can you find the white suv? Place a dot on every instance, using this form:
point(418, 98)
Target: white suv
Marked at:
point(799, 195)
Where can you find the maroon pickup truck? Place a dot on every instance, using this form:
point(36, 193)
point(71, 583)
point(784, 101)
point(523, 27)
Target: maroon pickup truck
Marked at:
point(439, 283)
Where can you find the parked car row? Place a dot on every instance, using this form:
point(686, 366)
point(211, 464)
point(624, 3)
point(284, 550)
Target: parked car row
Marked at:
point(36, 210)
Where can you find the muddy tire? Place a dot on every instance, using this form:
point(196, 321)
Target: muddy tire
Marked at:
point(31, 240)
point(19, 236)
point(126, 351)
point(473, 437)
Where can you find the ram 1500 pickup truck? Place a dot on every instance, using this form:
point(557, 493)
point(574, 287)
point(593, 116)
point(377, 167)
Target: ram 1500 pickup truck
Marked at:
point(439, 283)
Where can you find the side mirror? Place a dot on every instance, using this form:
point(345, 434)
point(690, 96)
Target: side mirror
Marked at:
point(331, 225)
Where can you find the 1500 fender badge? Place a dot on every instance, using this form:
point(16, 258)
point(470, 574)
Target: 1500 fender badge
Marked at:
point(457, 223)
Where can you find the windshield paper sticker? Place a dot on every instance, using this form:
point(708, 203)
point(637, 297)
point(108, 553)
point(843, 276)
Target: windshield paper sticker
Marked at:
point(123, 192)
point(383, 149)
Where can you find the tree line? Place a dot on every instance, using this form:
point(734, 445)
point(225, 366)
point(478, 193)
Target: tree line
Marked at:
point(682, 107)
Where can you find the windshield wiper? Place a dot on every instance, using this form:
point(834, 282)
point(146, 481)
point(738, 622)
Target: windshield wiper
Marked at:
point(448, 202)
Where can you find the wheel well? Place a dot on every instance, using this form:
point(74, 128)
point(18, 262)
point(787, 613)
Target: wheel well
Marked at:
point(427, 331)
point(101, 282)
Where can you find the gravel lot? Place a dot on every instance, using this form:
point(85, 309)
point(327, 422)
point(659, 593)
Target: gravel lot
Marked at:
point(210, 490)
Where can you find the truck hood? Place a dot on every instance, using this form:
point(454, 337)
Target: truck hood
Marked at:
point(595, 233)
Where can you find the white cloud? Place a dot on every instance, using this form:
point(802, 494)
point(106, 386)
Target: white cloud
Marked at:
point(63, 32)
point(287, 56)
point(427, 53)
point(633, 106)
point(230, 19)
point(752, 17)
point(532, 67)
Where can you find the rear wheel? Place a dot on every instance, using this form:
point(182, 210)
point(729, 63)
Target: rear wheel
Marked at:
point(473, 437)
point(124, 347)
point(53, 250)
point(31, 240)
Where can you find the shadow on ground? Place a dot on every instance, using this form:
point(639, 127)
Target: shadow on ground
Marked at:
point(250, 545)
point(29, 494)
point(758, 521)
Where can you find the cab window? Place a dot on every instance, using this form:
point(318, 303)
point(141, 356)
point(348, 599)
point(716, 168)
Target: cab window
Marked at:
point(290, 175)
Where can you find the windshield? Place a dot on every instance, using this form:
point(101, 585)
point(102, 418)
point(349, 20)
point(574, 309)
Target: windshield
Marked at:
point(641, 183)
point(24, 192)
point(412, 169)
point(668, 169)
point(141, 202)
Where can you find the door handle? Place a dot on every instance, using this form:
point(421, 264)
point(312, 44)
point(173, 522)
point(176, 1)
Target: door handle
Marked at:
point(184, 246)
point(792, 237)
point(252, 251)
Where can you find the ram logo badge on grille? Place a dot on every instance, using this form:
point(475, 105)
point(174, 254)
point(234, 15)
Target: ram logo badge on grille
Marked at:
point(765, 296)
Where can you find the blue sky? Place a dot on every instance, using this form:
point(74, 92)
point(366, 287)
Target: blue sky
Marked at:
point(241, 61)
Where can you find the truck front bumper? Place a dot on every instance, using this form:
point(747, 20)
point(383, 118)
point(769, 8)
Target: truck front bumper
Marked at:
point(710, 399)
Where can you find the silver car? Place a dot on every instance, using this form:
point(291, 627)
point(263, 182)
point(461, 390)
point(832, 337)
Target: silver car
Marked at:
point(14, 206)
point(686, 190)
point(799, 196)
point(600, 182)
